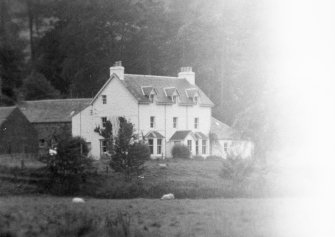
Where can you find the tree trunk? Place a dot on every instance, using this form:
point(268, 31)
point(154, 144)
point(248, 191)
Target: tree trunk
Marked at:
point(31, 30)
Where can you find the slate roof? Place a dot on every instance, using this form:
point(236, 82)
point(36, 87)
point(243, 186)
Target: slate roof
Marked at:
point(180, 135)
point(223, 131)
point(200, 135)
point(147, 90)
point(47, 111)
point(134, 83)
point(192, 92)
point(154, 134)
point(5, 112)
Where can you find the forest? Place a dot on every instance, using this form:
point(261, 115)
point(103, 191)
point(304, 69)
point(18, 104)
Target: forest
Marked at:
point(63, 49)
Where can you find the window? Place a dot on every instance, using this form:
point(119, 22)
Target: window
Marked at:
point(225, 146)
point(195, 99)
point(174, 99)
point(42, 143)
point(151, 146)
point(197, 147)
point(104, 121)
point(152, 96)
point(196, 123)
point(103, 146)
point(152, 121)
point(175, 122)
point(204, 148)
point(176, 142)
point(189, 145)
point(104, 99)
point(159, 146)
point(89, 146)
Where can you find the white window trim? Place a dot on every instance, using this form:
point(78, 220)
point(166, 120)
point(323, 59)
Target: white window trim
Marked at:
point(104, 99)
point(153, 123)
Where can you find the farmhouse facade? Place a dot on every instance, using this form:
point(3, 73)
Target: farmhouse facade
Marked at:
point(164, 110)
point(17, 135)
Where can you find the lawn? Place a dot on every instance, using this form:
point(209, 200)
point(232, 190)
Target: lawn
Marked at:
point(50, 216)
point(184, 178)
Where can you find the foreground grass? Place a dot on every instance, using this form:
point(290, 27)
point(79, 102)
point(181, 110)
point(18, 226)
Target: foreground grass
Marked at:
point(49, 216)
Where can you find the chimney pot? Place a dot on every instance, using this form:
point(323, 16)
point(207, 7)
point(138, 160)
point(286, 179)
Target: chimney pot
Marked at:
point(118, 69)
point(188, 74)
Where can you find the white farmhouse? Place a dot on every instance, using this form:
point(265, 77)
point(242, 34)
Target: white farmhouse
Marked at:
point(166, 110)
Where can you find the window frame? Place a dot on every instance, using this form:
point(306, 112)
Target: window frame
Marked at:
point(189, 145)
point(204, 146)
point(225, 146)
point(197, 147)
point(103, 146)
point(104, 99)
point(103, 121)
point(159, 146)
point(196, 123)
point(151, 146)
point(175, 122)
point(152, 122)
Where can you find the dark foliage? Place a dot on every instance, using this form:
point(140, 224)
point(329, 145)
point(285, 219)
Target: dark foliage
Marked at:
point(107, 133)
point(37, 87)
point(70, 167)
point(237, 169)
point(128, 156)
point(180, 151)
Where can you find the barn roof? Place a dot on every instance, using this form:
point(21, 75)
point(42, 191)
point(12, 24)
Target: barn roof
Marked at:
point(223, 131)
point(5, 112)
point(47, 111)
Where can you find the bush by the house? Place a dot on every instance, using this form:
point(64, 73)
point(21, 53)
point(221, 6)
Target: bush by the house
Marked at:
point(198, 157)
point(214, 157)
point(180, 151)
point(69, 167)
point(129, 155)
point(237, 169)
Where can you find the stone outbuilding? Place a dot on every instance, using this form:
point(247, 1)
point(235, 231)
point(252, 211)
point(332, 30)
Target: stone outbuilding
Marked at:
point(17, 134)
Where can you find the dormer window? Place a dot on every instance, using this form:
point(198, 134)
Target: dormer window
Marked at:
point(149, 92)
point(193, 94)
point(152, 97)
point(171, 93)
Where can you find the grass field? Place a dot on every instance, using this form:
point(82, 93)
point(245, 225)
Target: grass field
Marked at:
point(49, 216)
point(184, 178)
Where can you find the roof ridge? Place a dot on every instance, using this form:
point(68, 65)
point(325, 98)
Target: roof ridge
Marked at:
point(153, 76)
point(48, 100)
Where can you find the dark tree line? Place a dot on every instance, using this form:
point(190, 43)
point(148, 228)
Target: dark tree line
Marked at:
point(71, 44)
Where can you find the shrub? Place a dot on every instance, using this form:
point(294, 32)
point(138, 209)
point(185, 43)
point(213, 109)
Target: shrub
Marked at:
point(198, 157)
point(237, 169)
point(128, 156)
point(213, 157)
point(69, 167)
point(180, 151)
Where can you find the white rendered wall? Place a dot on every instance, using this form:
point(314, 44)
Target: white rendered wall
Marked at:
point(119, 103)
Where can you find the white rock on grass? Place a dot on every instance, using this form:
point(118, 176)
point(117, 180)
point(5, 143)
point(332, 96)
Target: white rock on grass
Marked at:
point(168, 196)
point(162, 166)
point(78, 200)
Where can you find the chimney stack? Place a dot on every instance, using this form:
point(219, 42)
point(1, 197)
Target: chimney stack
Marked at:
point(188, 74)
point(118, 69)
